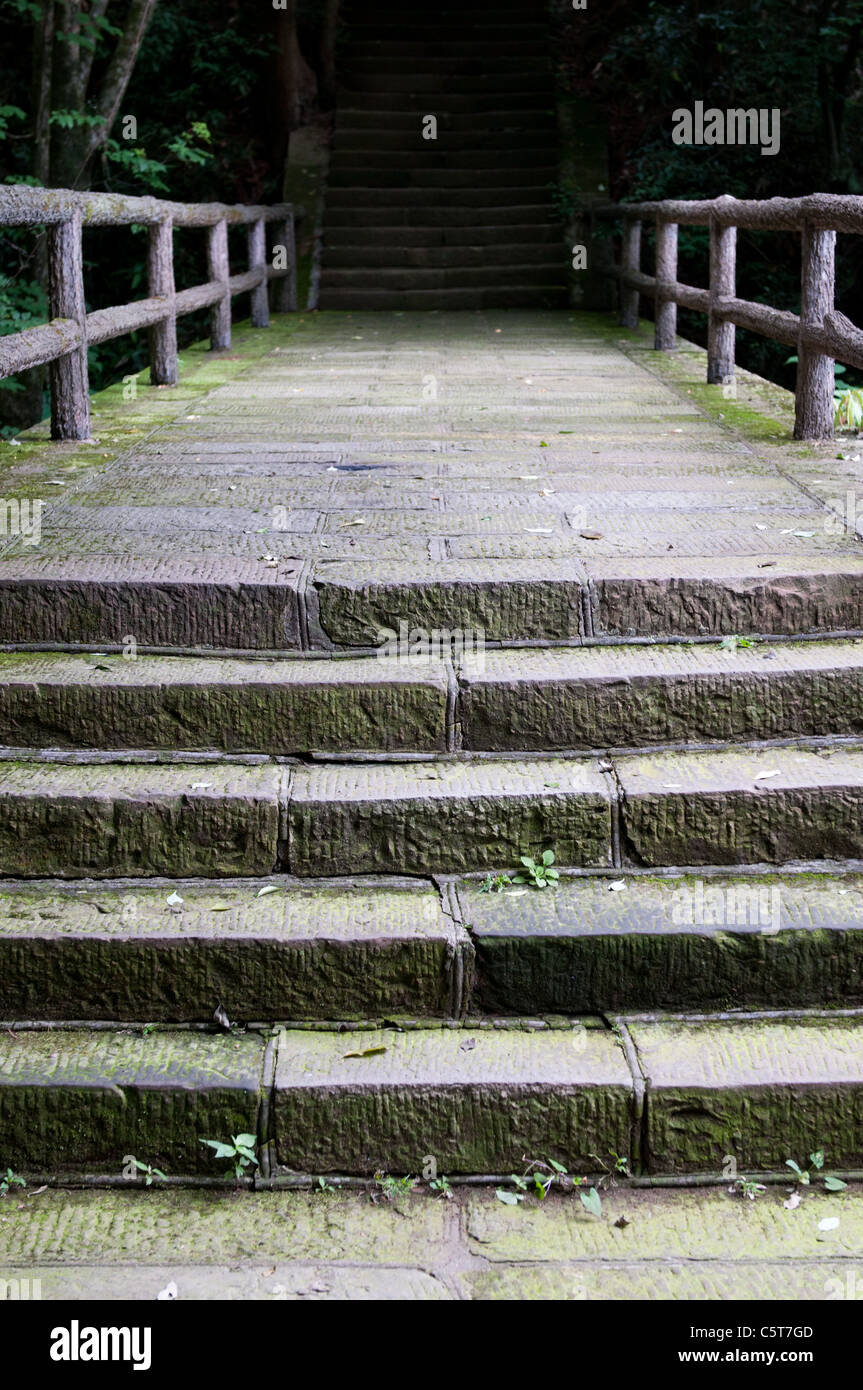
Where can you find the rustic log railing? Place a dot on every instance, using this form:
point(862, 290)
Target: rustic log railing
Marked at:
point(63, 342)
point(820, 334)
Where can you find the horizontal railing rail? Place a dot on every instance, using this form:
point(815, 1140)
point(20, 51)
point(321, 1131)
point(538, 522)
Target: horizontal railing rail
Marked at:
point(62, 343)
point(819, 332)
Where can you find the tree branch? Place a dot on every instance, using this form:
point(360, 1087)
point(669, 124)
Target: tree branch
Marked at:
point(120, 69)
point(97, 11)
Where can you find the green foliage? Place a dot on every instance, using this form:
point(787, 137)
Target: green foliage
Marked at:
point(539, 875)
point(848, 407)
point(240, 1152)
point(10, 1180)
point(495, 883)
point(149, 1172)
point(816, 1163)
point(390, 1187)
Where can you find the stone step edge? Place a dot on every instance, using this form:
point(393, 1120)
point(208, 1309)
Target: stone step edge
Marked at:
point(613, 1090)
point(343, 605)
point(428, 950)
point(441, 705)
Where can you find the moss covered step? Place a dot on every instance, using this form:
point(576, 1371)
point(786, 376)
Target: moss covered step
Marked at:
point(446, 816)
point(83, 1101)
point(721, 941)
point(758, 1092)
point(262, 949)
point(473, 1100)
point(567, 598)
point(108, 820)
point(741, 805)
point(596, 697)
point(277, 707)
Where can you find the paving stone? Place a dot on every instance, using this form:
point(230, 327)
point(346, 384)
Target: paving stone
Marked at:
point(472, 1108)
point(446, 817)
point(754, 1092)
point(107, 820)
point(277, 707)
point(718, 942)
point(121, 951)
point(595, 697)
point(81, 1102)
point(742, 806)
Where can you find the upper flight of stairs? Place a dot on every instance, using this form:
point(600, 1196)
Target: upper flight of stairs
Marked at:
point(462, 221)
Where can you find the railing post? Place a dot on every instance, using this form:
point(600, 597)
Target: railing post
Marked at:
point(219, 268)
point(285, 296)
point(160, 278)
point(665, 327)
point(631, 261)
point(723, 275)
point(68, 377)
point(258, 261)
point(815, 374)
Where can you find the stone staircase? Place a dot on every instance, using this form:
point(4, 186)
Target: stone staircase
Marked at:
point(464, 220)
point(296, 832)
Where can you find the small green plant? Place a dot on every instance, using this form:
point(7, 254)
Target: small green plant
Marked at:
point(149, 1172)
point(9, 1180)
point(390, 1187)
point(848, 407)
point(324, 1186)
point(539, 875)
point(748, 1188)
point(731, 643)
point(816, 1161)
point(442, 1187)
point(591, 1201)
point(495, 883)
point(240, 1151)
point(620, 1165)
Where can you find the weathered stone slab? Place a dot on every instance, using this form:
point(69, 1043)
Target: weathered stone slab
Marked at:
point(778, 594)
point(105, 820)
point(473, 1108)
point(719, 942)
point(276, 707)
point(446, 817)
point(596, 697)
point(742, 806)
point(121, 951)
point(757, 1092)
point(80, 1102)
point(503, 600)
point(181, 601)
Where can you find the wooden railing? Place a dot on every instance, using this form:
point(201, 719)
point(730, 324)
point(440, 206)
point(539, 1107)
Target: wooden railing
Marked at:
point(63, 342)
point(819, 334)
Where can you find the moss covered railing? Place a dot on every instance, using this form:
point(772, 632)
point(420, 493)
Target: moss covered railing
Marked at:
point(819, 333)
point(63, 342)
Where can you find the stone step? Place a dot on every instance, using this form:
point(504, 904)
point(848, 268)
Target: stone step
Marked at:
point(106, 820)
point(437, 219)
point(236, 603)
point(548, 296)
point(632, 696)
point(759, 805)
point(530, 271)
point(418, 175)
point(492, 165)
point(484, 200)
point(387, 71)
point(671, 1095)
point(262, 949)
point(398, 237)
point(506, 700)
point(517, 127)
point(510, 258)
point(466, 102)
point(354, 949)
point(680, 1244)
point(186, 703)
point(715, 941)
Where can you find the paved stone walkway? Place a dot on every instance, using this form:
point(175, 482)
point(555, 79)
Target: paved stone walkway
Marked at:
point(706, 1244)
point(542, 474)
